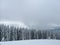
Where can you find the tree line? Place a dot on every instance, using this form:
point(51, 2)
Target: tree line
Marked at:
point(13, 33)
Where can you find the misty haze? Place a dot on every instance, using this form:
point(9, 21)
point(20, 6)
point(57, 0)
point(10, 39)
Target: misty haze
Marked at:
point(29, 20)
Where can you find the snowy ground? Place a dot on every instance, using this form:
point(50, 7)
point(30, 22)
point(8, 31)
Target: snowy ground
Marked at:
point(32, 42)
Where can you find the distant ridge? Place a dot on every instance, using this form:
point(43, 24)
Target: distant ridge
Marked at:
point(14, 23)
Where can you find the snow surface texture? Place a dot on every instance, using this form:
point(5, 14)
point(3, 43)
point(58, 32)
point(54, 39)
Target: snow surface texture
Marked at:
point(32, 42)
point(14, 23)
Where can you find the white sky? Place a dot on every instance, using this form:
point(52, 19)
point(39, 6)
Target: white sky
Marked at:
point(31, 12)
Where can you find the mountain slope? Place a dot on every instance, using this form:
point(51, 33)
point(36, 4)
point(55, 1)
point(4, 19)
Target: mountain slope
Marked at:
point(14, 23)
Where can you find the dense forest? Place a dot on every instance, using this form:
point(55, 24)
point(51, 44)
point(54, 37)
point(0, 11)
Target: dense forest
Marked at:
point(11, 33)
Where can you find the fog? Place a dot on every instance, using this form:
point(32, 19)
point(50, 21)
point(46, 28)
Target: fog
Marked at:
point(34, 13)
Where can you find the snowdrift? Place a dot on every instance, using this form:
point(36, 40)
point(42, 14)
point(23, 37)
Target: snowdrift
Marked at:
point(32, 42)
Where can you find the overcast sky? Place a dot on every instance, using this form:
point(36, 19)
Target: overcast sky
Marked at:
point(31, 12)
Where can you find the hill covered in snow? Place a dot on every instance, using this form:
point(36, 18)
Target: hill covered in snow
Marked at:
point(14, 23)
point(11, 30)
